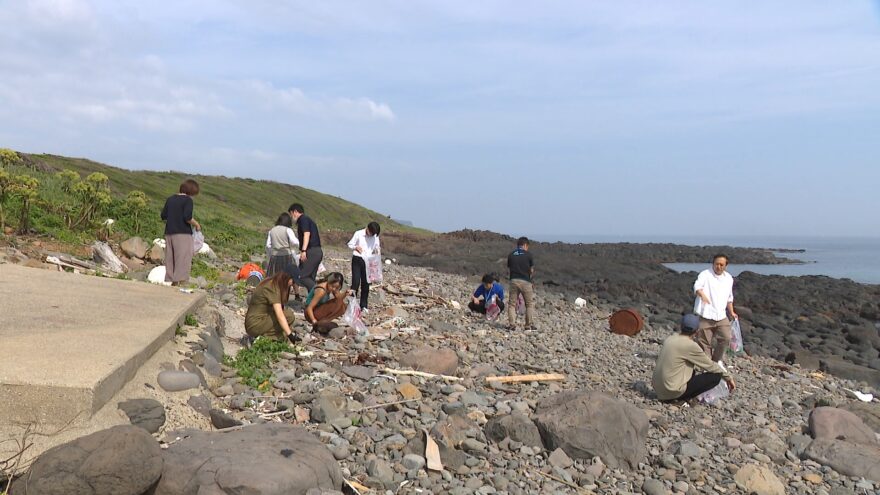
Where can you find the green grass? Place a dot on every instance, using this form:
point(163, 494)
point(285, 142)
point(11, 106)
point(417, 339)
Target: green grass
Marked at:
point(190, 320)
point(235, 213)
point(253, 365)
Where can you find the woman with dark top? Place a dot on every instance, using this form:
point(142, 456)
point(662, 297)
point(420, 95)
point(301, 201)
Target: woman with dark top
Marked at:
point(266, 314)
point(179, 225)
point(364, 242)
point(280, 245)
point(325, 301)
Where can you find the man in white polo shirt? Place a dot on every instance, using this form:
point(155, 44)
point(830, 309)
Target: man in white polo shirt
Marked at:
point(714, 302)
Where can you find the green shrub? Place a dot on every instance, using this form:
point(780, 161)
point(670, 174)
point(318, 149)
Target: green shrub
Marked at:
point(254, 365)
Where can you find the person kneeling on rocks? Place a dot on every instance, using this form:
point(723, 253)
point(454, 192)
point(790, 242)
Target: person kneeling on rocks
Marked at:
point(266, 314)
point(674, 376)
point(485, 292)
point(326, 302)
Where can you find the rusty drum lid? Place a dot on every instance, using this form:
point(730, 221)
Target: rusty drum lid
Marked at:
point(626, 322)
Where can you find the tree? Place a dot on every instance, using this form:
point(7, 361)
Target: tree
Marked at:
point(9, 158)
point(26, 189)
point(5, 183)
point(135, 204)
point(92, 196)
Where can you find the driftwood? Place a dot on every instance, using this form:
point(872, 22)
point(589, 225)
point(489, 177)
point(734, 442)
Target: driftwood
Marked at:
point(421, 374)
point(104, 256)
point(540, 377)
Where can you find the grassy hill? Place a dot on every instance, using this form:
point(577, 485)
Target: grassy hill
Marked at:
point(235, 212)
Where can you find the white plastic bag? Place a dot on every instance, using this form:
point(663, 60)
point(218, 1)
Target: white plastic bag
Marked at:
point(520, 304)
point(736, 337)
point(198, 240)
point(715, 394)
point(374, 268)
point(492, 309)
point(352, 317)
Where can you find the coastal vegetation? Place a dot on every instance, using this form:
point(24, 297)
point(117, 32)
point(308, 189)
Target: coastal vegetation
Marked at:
point(71, 200)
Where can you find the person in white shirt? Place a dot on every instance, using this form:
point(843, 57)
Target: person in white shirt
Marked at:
point(364, 242)
point(281, 244)
point(714, 303)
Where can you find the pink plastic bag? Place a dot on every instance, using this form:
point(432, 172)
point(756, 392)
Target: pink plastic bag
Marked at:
point(492, 309)
point(352, 317)
point(374, 268)
point(520, 305)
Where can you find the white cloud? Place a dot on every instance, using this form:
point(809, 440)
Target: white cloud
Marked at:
point(295, 101)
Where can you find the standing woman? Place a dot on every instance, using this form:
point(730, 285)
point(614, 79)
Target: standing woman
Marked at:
point(179, 225)
point(364, 242)
point(280, 245)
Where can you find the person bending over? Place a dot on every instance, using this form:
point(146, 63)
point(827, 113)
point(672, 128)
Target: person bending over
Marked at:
point(485, 292)
point(266, 314)
point(674, 377)
point(364, 242)
point(325, 302)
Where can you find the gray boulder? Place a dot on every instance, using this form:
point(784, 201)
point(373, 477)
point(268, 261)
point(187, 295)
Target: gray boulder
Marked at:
point(851, 459)
point(587, 423)
point(175, 381)
point(517, 426)
point(839, 424)
point(148, 414)
point(869, 413)
point(123, 460)
point(265, 459)
point(135, 247)
point(431, 360)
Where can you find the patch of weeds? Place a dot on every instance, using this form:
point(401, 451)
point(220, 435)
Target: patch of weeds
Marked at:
point(240, 289)
point(123, 276)
point(190, 320)
point(200, 268)
point(254, 364)
point(180, 332)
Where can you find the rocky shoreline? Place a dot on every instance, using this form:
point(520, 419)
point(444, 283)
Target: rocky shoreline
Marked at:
point(341, 410)
point(817, 321)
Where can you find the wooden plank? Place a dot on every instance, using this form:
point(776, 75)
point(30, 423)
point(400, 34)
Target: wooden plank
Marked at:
point(539, 377)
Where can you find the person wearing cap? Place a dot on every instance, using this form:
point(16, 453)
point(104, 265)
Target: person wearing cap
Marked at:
point(267, 314)
point(675, 377)
point(713, 303)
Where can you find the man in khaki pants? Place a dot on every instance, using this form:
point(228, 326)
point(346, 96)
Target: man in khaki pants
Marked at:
point(522, 267)
point(714, 301)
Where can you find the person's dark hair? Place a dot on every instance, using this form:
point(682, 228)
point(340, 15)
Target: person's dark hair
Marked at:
point(285, 220)
point(522, 241)
point(189, 187)
point(488, 278)
point(333, 278)
point(281, 281)
point(373, 228)
point(720, 255)
point(297, 208)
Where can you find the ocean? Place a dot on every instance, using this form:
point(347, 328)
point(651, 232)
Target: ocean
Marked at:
point(854, 258)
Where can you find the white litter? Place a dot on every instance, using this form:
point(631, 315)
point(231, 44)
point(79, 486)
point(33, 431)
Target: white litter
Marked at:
point(159, 242)
point(580, 302)
point(860, 395)
point(387, 262)
point(157, 276)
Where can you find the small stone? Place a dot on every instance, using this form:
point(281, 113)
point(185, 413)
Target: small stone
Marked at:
point(558, 458)
point(814, 478)
point(654, 487)
point(222, 420)
point(175, 381)
point(413, 461)
point(409, 391)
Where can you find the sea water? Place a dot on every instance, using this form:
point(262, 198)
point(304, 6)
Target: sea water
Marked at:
point(853, 258)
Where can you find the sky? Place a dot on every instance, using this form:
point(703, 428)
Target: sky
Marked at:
point(638, 118)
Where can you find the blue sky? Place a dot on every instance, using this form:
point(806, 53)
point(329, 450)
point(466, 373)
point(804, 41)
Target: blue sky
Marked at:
point(615, 118)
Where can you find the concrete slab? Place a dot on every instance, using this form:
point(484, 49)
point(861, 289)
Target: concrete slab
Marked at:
point(69, 342)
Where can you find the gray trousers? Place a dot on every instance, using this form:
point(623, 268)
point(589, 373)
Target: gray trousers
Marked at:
point(309, 267)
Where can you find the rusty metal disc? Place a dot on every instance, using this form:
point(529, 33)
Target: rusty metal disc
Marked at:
point(626, 322)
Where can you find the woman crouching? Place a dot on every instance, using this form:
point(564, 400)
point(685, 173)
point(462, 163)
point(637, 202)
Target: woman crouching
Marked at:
point(326, 302)
point(267, 315)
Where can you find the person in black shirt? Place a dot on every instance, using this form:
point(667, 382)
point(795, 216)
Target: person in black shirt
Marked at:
point(179, 225)
point(522, 267)
point(310, 255)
